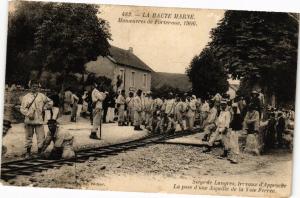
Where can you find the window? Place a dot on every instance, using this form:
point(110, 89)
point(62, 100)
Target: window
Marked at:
point(132, 84)
point(145, 80)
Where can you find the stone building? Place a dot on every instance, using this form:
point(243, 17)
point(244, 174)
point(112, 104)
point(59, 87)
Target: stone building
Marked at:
point(123, 66)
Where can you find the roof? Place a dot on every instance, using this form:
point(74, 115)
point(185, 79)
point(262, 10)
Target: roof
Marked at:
point(126, 58)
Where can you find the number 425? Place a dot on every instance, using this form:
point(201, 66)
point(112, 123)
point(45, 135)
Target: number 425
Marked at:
point(126, 14)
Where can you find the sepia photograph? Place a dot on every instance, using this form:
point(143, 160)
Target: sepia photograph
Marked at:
point(149, 99)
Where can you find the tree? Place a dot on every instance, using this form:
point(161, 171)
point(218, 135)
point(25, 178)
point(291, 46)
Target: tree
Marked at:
point(208, 77)
point(22, 25)
point(259, 48)
point(164, 90)
point(104, 82)
point(60, 37)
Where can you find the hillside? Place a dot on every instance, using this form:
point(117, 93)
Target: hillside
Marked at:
point(180, 81)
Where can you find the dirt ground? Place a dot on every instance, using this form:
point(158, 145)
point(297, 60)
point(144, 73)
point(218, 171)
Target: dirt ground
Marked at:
point(111, 134)
point(158, 168)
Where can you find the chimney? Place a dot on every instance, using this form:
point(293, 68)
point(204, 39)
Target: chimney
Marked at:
point(130, 49)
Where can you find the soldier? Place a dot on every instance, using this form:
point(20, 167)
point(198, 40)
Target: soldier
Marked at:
point(209, 124)
point(62, 140)
point(121, 101)
point(217, 99)
point(252, 120)
point(67, 101)
point(148, 109)
point(167, 124)
point(130, 106)
point(255, 102)
point(242, 105)
point(158, 104)
point(180, 111)
point(74, 106)
point(143, 118)
point(97, 97)
point(32, 106)
point(270, 132)
point(254, 138)
point(6, 127)
point(169, 105)
point(222, 123)
point(111, 108)
point(138, 110)
point(204, 112)
point(56, 102)
point(236, 126)
point(191, 110)
point(280, 128)
point(155, 123)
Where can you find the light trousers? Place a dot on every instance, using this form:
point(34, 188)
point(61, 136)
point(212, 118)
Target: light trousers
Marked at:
point(39, 132)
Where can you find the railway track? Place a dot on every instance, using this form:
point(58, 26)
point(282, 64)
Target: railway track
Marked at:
point(10, 170)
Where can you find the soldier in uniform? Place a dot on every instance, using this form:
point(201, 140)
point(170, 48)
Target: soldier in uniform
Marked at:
point(74, 105)
point(98, 95)
point(67, 101)
point(148, 109)
point(204, 112)
point(121, 101)
point(130, 106)
point(217, 99)
point(220, 133)
point(180, 112)
point(167, 124)
point(209, 124)
point(62, 140)
point(255, 102)
point(158, 103)
point(169, 105)
point(191, 110)
point(32, 106)
point(138, 108)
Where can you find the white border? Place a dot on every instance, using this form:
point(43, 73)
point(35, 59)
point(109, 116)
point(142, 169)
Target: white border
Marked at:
point(259, 5)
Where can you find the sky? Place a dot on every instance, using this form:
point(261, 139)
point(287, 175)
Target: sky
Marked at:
point(165, 48)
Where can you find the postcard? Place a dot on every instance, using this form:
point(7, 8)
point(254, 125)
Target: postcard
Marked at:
point(149, 99)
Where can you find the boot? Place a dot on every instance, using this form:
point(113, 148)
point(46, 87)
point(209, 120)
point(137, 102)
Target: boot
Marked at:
point(93, 135)
point(28, 153)
point(205, 137)
point(137, 128)
point(225, 154)
point(208, 149)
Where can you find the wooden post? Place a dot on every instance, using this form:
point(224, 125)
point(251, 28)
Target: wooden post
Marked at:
point(100, 126)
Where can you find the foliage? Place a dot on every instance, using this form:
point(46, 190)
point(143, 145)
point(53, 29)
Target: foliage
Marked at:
point(207, 75)
point(59, 37)
point(105, 83)
point(259, 47)
point(164, 91)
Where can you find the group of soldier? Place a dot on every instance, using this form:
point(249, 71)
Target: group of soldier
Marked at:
point(220, 118)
